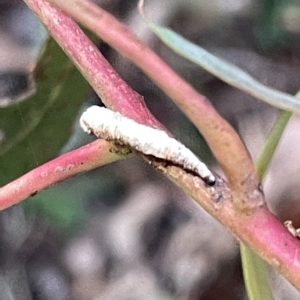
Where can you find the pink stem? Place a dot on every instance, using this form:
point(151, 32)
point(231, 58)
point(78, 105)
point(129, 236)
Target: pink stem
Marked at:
point(107, 83)
point(67, 165)
point(261, 231)
point(269, 238)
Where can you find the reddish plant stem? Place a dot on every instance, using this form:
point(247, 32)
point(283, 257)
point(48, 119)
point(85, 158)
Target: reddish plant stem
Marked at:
point(224, 142)
point(106, 82)
point(65, 166)
point(261, 231)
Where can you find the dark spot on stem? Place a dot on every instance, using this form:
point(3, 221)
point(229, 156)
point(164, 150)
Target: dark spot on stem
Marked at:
point(34, 193)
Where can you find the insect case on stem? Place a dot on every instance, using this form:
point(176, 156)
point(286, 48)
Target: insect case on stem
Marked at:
point(113, 126)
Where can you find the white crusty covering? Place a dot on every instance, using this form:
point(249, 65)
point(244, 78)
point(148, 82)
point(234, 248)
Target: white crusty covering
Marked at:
point(113, 126)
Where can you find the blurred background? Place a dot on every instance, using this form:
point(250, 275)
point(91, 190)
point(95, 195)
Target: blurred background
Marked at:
point(123, 231)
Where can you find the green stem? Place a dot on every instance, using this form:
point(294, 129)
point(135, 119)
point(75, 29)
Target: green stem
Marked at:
point(254, 268)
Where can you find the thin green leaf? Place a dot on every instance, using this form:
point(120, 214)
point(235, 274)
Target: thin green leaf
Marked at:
point(255, 275)
point(226, 71)
point(272, 142)
point(35, 129)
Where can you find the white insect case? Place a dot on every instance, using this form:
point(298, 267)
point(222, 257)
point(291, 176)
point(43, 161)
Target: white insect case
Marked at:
point(113, 126)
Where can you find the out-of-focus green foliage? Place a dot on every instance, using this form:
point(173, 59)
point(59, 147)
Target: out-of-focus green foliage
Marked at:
point(37, 128)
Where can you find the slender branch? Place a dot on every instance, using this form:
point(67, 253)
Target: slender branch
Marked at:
point(107, 83)
point(261, 231)
point(65, 166)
